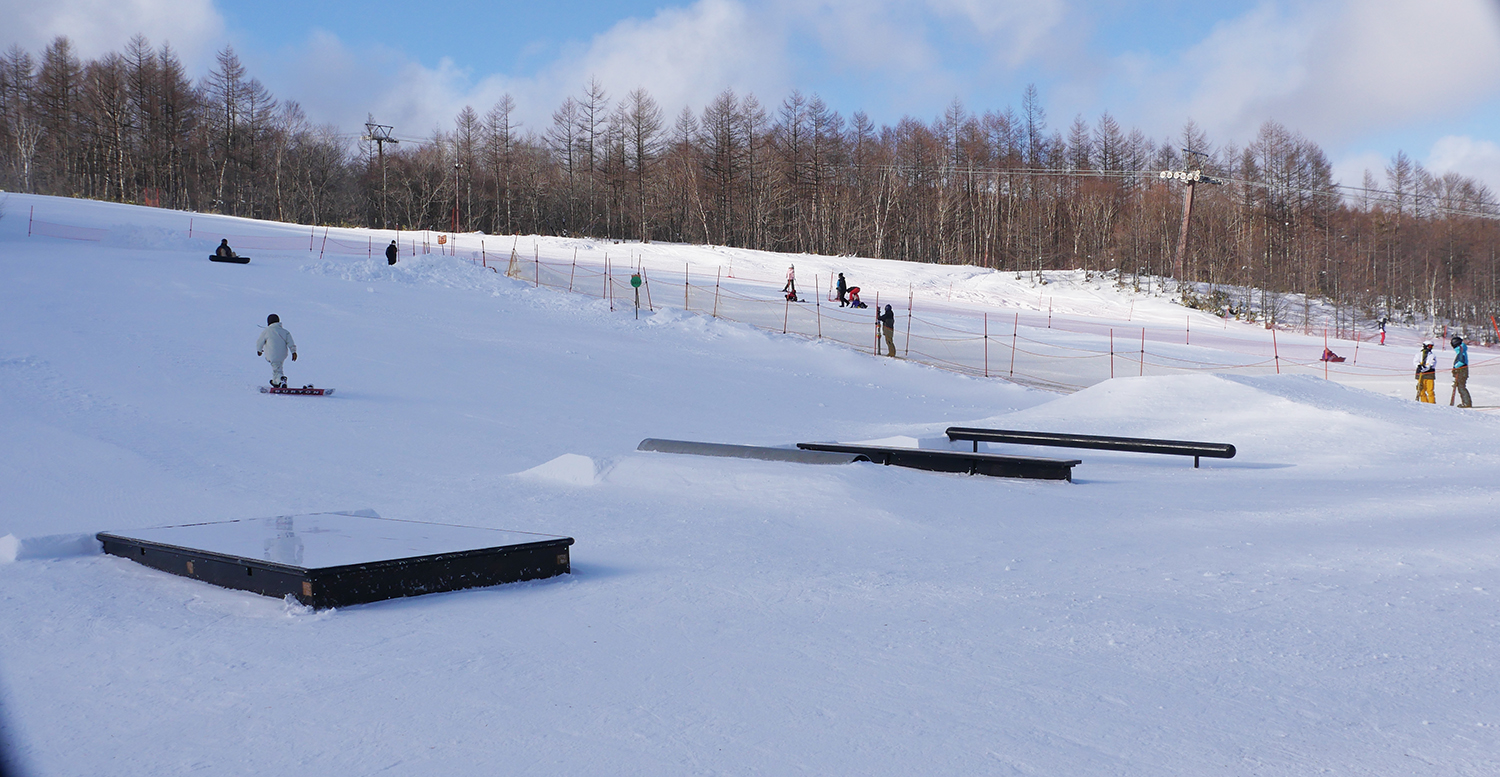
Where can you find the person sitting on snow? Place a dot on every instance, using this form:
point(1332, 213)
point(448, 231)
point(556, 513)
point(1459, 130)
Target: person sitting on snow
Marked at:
point(854, 298)
point(224, 251)
point(274, 344)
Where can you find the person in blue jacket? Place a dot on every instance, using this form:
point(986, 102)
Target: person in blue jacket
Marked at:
point(1461, 371)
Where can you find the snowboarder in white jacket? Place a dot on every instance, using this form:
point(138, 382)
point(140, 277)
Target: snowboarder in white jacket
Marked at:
point(274, 344)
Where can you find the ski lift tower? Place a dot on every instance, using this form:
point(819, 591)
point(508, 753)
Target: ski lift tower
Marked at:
point(380, 134)
point(1191, 176)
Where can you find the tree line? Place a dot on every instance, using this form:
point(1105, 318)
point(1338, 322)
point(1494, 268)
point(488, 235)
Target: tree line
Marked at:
point(1001, 189)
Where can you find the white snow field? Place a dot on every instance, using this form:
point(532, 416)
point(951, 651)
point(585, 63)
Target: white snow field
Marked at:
point(1325, 602)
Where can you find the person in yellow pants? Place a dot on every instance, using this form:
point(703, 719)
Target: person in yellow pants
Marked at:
point(1426, 373)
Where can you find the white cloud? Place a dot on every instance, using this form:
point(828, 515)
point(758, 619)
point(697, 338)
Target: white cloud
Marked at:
point(97, 27)
point(1350, 170)
point(1334, 70)
point(1478, 159)
point(682, 56)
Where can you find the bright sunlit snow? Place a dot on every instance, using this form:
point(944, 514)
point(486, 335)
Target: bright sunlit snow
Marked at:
point(1323, 602)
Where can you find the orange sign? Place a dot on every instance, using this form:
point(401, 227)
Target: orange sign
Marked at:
point(442, 239)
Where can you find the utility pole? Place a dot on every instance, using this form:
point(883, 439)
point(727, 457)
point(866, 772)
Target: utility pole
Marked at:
point(1190, 177)
point(456, 167)
point(380, 134)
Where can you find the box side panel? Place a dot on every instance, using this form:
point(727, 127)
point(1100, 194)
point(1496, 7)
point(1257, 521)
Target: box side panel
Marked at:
point(412, 577)
point(218, 570)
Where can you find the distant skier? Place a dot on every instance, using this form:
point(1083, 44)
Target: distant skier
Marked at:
point(888, 328)
point(1461, 371)
point(274, 344)
point(791, 281)
point(1383, 321)
point(390, 253)
point(224, 251)
point(1426, 362)
point(843, 288)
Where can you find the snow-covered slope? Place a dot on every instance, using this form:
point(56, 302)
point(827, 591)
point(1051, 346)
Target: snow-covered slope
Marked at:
point(1323, 602)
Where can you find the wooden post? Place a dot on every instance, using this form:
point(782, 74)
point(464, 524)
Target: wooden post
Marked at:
point(1276, 353)
point(786, 313)
point(906, 352)
point(1143, 351)
point(324, 247)
point(1187, 336)
point(686, 284)
point(1325, 354)
point(875, 349)
point(986, 345)
point(817, 304)
point(646, 280)
point(717, 273)
point(1111, 354)
point(1014, 333)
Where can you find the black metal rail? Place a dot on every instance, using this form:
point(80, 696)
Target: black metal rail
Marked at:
point(992, 464)
point(1212, 450)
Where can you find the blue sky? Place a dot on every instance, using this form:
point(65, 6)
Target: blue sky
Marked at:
point(1363, 78)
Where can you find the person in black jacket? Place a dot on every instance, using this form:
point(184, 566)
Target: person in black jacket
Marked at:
point(390, 253)
point(842, 286)
point(888, 328)
point(224, 251)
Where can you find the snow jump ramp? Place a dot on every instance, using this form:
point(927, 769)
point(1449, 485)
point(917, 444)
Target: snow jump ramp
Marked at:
point(343, 558)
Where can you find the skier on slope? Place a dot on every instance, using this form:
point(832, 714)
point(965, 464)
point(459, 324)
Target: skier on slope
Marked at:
point(791, 281)
point(1426, 362)
point(1461, 371)
point(274, 344)
point(390, 253)
point(842, 287)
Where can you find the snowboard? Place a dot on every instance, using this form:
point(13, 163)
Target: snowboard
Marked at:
point(230, 259)
point(305, 391)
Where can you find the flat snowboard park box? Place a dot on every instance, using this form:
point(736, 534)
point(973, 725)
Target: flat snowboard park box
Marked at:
point(339, 559)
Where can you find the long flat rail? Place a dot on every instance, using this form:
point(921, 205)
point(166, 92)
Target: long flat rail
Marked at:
point(747, 452)
point(1212, 450)
point(992, 464)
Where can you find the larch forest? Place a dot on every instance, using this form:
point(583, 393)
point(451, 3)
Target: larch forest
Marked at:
point(1000, 189)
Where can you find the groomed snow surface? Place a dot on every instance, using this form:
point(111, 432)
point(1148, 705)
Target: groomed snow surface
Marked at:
point(1325, 602)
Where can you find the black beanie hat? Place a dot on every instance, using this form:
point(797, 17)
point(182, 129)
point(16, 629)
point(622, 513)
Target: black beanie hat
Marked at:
point(271, 319)
point(1455, 341)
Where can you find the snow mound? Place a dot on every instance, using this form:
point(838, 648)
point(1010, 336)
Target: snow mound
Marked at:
point(569, 469)
point(13, 548)
point(1288, 418)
